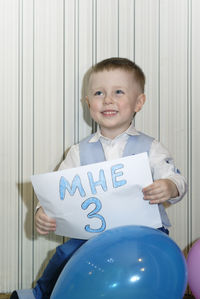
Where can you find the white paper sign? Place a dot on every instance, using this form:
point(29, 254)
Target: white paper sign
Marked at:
point(88, 200)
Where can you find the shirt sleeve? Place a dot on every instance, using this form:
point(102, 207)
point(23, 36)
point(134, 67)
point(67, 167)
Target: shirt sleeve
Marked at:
point(163, 167)
point(72, 159)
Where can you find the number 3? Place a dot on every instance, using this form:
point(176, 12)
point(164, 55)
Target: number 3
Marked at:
point(93, 214)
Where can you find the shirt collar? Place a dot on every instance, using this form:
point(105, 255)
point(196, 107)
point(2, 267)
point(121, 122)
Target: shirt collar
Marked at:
point(131, 131)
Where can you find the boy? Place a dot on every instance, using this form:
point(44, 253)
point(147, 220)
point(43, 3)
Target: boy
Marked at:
point(115, 95)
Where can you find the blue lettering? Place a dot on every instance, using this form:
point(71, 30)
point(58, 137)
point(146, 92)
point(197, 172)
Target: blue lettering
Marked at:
point(101, 182)
point(93, 214)
point(76, 184)
point(116, 174)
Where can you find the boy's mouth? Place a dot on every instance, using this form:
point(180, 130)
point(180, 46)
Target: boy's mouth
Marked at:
point(109, 112)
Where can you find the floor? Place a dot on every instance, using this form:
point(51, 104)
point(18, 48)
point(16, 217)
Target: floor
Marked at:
point(7, 296)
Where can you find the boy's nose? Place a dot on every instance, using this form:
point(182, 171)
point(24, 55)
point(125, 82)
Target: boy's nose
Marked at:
point(108, 99)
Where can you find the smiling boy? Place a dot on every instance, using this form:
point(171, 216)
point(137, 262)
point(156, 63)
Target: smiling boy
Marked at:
point(115, 95)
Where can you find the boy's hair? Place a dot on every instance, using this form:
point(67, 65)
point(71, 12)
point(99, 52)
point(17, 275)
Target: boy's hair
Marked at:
point(123, 64)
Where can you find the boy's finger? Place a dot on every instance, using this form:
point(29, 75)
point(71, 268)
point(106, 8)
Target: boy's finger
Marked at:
point(44, 229)
point(157, 201)
point(41, 232)
point(45, 218)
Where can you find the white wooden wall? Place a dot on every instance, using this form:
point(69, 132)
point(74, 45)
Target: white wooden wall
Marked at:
point(46, 46)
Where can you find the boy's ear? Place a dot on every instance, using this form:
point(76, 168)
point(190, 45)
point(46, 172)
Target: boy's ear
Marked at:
point(140, 102)
point(87, 101)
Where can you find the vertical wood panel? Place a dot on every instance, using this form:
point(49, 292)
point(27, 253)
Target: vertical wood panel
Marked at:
point(48, 102)
point(147, 57)
point(9, 149)
point(26, 208)
point(107, 29)
point(70, 126)
point(195, 110)
point(173, 99)
point(126, 27)
point(86, 26)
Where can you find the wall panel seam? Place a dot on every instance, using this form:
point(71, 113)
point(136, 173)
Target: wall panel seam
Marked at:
point(20, 141)
point(94, 45)
point(134, 30)
point(118, 21)
point(158, 109)
point(33, 150)
point(189, 121)
point(134, 39)
point(64, 95)
point(64, 91)
point(76, 71)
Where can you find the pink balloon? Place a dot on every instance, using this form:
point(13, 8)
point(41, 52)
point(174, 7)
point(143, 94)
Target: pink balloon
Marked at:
point(193, 264)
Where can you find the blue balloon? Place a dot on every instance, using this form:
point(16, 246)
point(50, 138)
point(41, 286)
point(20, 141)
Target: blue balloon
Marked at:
point(124, 263)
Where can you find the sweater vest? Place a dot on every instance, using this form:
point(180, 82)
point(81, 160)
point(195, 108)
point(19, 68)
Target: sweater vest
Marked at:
point(92, 152)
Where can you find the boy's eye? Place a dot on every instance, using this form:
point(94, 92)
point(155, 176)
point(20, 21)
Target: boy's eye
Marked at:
point(98, 93)
point(119, 91)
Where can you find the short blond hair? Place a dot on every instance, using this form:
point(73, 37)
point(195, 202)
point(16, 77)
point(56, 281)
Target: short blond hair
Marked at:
point(123, 64)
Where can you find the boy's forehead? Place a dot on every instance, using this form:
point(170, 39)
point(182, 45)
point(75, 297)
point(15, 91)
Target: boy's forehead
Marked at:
point(114, 75)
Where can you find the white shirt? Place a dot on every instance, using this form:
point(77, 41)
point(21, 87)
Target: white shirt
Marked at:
point(161, 163)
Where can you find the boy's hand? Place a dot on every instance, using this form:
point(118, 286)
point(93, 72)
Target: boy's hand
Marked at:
point(43, 223)
point(160, 191)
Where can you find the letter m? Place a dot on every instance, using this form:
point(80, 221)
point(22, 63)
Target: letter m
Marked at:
point(76, 184)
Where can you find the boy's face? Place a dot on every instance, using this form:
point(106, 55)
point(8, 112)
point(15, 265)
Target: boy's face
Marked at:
point(113, 98)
